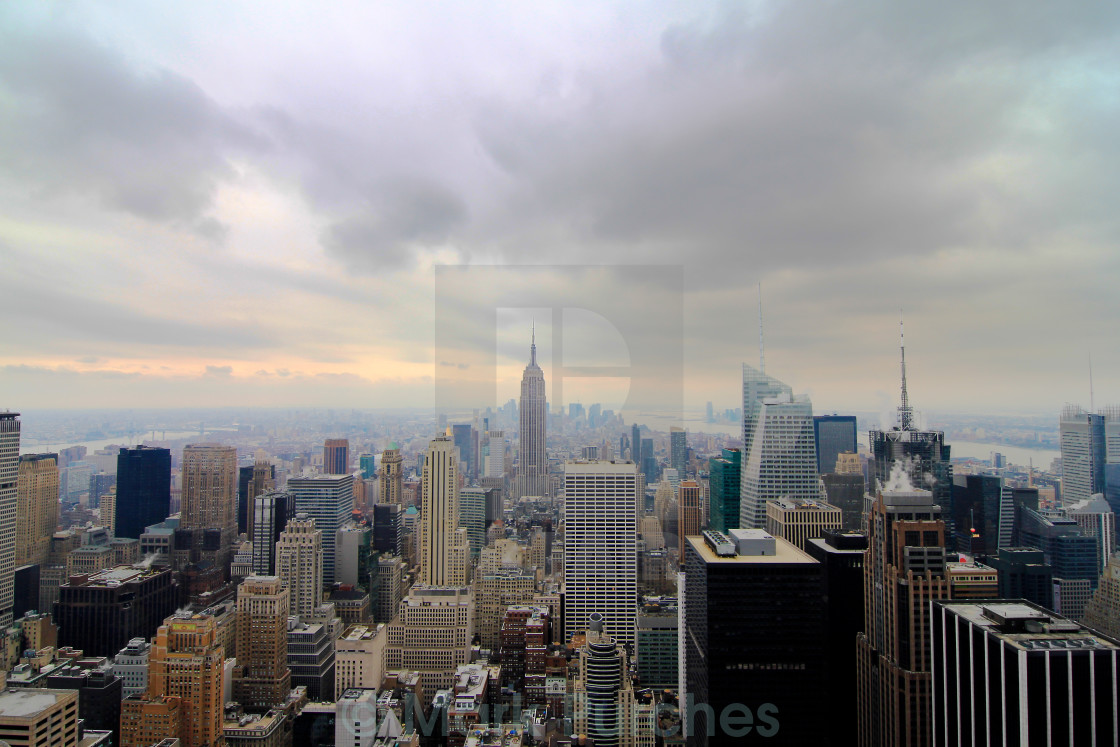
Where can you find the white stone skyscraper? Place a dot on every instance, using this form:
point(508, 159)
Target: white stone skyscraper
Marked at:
point(1088, 441)
point(9, 478)
point(532, 458)
point(601, 547)
point(779, 451)
point(444, 547)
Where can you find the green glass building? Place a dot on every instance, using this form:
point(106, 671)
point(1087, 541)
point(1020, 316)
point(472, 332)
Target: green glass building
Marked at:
point(723, 483)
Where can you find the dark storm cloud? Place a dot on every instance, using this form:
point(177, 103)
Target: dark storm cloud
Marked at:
point(827, 134)
point(77, 118)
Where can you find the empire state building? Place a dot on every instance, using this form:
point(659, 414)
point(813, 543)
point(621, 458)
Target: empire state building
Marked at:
point(532, 471)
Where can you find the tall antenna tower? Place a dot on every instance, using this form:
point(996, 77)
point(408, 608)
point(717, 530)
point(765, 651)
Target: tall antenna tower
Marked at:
point(761, 345)
point(1092, 404)
point(905, 411)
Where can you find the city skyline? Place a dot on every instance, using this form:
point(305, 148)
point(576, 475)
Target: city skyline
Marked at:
point(204, 208)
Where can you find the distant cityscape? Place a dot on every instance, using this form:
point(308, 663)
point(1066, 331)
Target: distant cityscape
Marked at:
point(523, 576)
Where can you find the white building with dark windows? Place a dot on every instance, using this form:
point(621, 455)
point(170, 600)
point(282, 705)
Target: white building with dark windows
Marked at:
point(601, 547)
point(329, 500)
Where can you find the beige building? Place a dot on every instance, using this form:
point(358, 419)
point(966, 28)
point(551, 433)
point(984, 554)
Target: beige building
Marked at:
point(444, 547)
point(798, 520)
point(38, 717)
point(360, 657)
point(1102, 613)
point(261, 678)
point(36, 507)
point(209, 499)
point(256, 730)
point(494, 592)
point(392, 475)
point(107, 511)
point(299, 564)
point(432, 634)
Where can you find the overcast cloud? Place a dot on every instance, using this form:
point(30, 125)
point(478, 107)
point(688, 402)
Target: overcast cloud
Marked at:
point(198, 197)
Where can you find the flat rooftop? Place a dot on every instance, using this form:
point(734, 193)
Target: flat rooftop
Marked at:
point(784, 552)
point(27, 702)
point(1028, 626)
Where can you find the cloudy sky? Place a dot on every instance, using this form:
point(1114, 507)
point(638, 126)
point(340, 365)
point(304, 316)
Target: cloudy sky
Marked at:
point(224, 203)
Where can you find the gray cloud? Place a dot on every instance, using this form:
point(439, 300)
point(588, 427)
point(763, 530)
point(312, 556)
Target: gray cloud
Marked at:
point(79, 119)
point(404, 217)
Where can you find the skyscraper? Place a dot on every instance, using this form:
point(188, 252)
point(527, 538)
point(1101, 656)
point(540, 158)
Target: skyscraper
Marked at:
point(1088, 441)
point(532, 470)
point(444, 547)
point(210, 501)
point(392, 475)
point(336, 456)
point(689, 517)
point(724, 473)
point(924, 454)
point(602, 689)
point(262, 478)
point(463, 436)
point(261, 678)
point(752, 636)
point(9, 479)
point(187, 662)
point(271, 512)
point(143, 489)
point(678, 449)
point(977, 507)
point(37, 507)
point(299, 564)
point(834, 435)
point(329, 500)
point(1011, 672)
point(601, 547)
point(904, 570)
point(779, 456)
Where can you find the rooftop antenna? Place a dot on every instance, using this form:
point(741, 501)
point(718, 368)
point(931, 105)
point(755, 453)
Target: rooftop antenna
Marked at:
point(533, 346)
point(1092, 405)
point(905, 411)
point(761, 345)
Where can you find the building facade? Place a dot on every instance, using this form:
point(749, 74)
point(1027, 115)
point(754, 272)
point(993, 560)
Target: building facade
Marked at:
point(601, 551)
point(329, 500)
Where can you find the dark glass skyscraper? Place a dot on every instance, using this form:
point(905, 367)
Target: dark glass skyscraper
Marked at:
point(754, 638)
point(723, 485)
point(834, 435)
point(143, 489)
point(976, 508)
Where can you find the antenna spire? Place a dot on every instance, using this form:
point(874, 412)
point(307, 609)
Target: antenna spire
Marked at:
point(533, 346)
point(761, 343)
point(905, 411)
point(1092, 404)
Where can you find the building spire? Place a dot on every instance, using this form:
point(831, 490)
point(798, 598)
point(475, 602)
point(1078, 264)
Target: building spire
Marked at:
point(533, 346)
point(761, 345)
point(905, 412)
